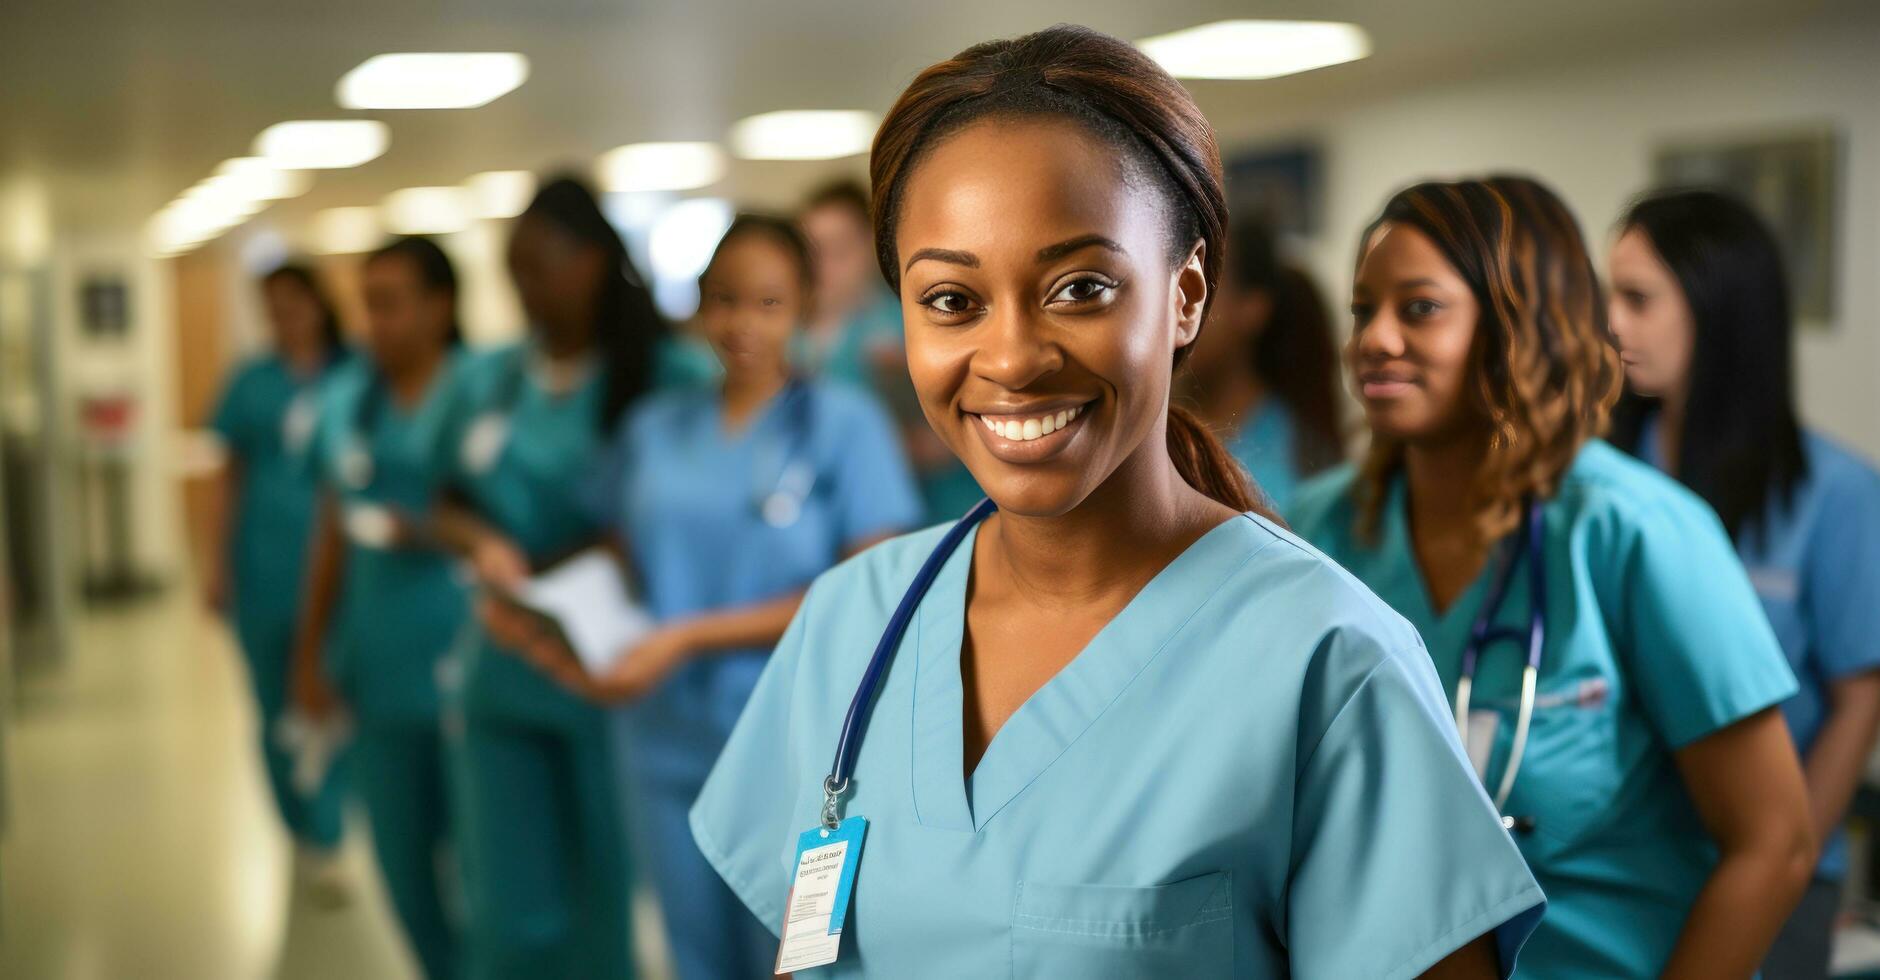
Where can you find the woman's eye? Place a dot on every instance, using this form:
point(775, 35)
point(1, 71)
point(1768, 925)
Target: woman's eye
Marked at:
point(771, 301)
point(1420, 309)
point(1081, 291)
point(1361, 313)
point(951, 304)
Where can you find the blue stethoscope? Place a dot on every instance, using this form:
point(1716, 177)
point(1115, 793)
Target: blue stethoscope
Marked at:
point(781, 504)
point(1483, 632)
point(837, 782)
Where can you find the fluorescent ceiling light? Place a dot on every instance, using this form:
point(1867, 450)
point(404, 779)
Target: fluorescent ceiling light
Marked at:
point(1256, 48)
point(660, 167)
point(345, 231)
point(803, 134)
point(188, 222)
point(432, 80)
point(501, 193)
point(683, 237)
point(259, 180)
point(427, 210)
point(322, 144)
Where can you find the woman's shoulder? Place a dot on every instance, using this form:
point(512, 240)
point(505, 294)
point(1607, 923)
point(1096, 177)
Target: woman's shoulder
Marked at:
point(1839, 474)
point(1608, 487)
point(1289, 585)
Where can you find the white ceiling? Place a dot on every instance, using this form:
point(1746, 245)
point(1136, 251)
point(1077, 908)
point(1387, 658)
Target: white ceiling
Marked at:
point(117, 106)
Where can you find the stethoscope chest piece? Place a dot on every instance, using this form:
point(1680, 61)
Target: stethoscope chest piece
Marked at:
point(355, 466)
point(484, 441)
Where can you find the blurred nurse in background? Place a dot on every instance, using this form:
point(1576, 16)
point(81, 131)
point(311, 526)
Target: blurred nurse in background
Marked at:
point(729, 501)
point(1612, 673)
point(1265, 373)
point(1700, 310)
point(544, 843)
point(383, 605)
point(265, 504)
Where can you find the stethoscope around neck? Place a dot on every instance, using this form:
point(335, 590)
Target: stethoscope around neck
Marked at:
point(1483, 633)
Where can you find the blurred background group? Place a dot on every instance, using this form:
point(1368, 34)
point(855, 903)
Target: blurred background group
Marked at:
point(192, 193)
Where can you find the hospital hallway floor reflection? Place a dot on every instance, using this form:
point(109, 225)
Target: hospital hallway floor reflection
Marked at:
point(141, 841)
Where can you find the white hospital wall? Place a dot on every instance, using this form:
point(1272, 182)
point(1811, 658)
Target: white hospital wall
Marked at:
point(1590, 129)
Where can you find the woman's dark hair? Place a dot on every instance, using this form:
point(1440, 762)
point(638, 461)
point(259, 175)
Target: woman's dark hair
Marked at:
point(1543, 374)
point(1294, 356)
point(1741, 441)
point(784, 232)
point(844, 193)
point(1117, 94)
point(627, 326)
point(332, 338)
point(435, 273)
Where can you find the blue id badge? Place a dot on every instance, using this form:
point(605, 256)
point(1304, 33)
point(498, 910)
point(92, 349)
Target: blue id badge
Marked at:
point(819, 895)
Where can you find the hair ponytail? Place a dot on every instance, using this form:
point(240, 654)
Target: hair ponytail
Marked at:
point(1207, 466)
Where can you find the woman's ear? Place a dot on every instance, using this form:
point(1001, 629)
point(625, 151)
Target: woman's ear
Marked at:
point(1191, 295)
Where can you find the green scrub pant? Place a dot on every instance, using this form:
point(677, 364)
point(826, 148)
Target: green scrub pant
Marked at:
point(317, 821)
point(399, 773)
point(543, 852)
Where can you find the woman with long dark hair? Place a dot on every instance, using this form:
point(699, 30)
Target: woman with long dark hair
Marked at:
point(544, 843)
point(1700, 310)
point(1612, 675)
point(382, 603)
point(265, 503)
point(1265, 372)
point(1119, 723)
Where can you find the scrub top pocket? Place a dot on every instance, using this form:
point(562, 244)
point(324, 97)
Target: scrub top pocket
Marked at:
point(1181, 929)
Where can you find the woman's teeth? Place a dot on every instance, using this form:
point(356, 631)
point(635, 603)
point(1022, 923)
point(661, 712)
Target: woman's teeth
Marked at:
point(1025, 430)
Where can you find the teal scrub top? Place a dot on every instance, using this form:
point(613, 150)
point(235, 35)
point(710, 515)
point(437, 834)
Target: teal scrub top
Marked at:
point(1265, 445)
point(399, 609)
point(1249, 771)
point(1654, 640)
point(1815, 562)
point(266, 420)
point(872, 331)
point(686, 497)
point(529, 484)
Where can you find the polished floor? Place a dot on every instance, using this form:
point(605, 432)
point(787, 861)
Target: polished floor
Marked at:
point(140, 841)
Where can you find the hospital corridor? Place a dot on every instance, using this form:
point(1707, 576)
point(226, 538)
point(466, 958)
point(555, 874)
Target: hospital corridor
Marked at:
point(591, 490)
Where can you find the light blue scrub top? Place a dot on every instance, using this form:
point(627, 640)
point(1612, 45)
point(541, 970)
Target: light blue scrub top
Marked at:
point(1250, 772)
point(1654, 640)
point(399, 609)
point(1815, 563)
point(1266, 446)
point(685, 495)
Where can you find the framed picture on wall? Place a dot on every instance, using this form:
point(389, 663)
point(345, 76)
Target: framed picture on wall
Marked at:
point(1792, 178)
point(1282, 185)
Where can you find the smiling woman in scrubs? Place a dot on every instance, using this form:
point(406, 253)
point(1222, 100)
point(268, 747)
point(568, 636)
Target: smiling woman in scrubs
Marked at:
point(1700, 308)
point(383, 606)
point(266, 420)
point(544, 845)
point(729, 500)
point(1134, 727)
point(1658, 799)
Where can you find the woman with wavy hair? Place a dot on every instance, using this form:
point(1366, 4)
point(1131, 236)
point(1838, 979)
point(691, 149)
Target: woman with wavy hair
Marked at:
point(1613, 676)
point(1123, 723)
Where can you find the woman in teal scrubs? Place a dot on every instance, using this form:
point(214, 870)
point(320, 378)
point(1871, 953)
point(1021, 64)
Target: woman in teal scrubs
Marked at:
point(1134, 727)
point(1265, 373)
point(544, 845)
point(1700, 308)
point(729, 501)
point(1656, 794)
point(383, 605)
point(266, 420)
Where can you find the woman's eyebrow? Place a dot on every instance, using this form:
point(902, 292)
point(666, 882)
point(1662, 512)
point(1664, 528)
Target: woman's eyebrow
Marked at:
point(950, 256)
point(1051, 253)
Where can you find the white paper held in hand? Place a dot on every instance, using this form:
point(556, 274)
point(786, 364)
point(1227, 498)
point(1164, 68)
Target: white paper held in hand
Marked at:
point(590, 600)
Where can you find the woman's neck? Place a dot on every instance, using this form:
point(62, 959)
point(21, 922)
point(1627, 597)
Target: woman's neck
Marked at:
point(1440, 483)
point(303, 361)
point(1671, 410)
point(746, 391)
point(409, 383)
point(1103, 551)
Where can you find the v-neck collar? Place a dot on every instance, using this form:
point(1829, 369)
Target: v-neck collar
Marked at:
point(1066, 705)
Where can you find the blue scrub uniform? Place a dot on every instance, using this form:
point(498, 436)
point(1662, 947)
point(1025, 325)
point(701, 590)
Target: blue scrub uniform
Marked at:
point(1265, 445)
point(1248, 772)
point(543, 843)
point(398, 613)
point(1654, 640)
point(1815, 562)
point(687, 497)
point(267, 418)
